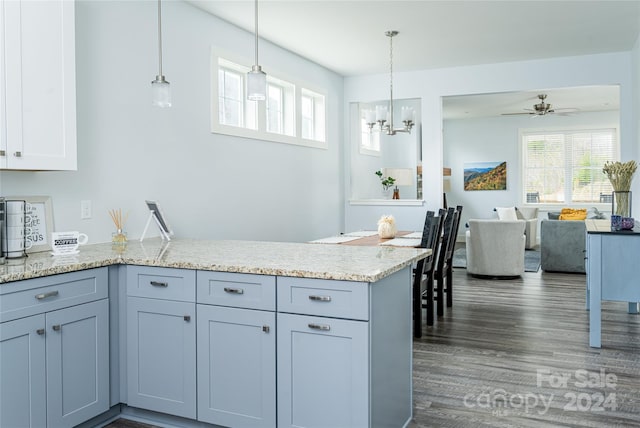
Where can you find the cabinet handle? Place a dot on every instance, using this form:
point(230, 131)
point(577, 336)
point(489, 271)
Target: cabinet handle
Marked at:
point(320, 298)
point(18, 154)
point(47, 295)
point(159, 284)
point(234, 290)
point(56, 327)
point(265, 328)
point(187, 318)
point(3, 153)
point(40, 331)
point(323, 327)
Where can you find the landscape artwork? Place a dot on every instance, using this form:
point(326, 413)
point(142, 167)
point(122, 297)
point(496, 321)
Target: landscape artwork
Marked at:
point(485, 176)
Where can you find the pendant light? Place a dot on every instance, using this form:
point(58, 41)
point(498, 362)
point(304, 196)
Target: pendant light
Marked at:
point(256, 78)
point(383, 115)
point(160, 87)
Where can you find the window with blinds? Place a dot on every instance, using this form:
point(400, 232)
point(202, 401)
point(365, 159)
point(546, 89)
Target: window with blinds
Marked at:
point(566, 166)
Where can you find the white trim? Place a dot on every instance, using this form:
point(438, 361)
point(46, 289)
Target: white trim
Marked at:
point(391, 202)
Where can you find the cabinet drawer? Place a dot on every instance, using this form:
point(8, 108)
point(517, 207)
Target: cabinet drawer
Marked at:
point(161, 283)
point(238, 290)
point(34, 296)
point(339, 299)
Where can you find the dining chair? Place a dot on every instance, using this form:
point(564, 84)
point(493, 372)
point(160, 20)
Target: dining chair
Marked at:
point(444, 258)
point(449, 289)
point(423, 279)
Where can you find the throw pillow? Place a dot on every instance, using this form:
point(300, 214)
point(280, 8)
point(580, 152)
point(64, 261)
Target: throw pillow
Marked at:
point(506, 213)
point(593, 213)
point(573, 214)
point(553, 215)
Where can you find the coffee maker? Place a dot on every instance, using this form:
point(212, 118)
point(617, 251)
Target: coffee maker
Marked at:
point(2, 228)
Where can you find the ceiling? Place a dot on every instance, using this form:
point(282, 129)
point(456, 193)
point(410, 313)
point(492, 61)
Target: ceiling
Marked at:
point(348, 38)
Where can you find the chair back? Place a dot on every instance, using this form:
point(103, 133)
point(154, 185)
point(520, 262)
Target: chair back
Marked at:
point(449, 223)
point(426, 229)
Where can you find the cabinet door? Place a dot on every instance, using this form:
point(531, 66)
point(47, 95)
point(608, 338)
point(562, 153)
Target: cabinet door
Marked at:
point(236, 367)
point(77, 363)
point(161, 356)
point(323, 372)
point(22, 373)
point(40, 84)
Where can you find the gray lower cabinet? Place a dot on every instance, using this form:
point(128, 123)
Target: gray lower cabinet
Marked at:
point(236, 349)
point(323, 378)
point(54, 348)
point(161, 340)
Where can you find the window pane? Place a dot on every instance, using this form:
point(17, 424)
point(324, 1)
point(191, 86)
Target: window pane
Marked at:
point(567, 166)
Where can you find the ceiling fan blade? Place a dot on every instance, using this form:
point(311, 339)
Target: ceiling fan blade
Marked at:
point(515, 114)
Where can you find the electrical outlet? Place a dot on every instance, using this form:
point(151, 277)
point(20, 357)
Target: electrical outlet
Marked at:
point(85, 209)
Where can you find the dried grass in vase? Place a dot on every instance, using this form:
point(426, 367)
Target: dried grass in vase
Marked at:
point(620, 174)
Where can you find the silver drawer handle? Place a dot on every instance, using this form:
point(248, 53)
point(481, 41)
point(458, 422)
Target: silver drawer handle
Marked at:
point(323, 327)
point(234, 290)
point(46, 295)
point(320, 298)
point(40, 331)
point(159, 284)
point(56, 327)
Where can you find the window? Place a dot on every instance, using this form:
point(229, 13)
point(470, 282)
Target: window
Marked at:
point(312, 115)
point(291, 114)
point(566, 166)
point(233, 108)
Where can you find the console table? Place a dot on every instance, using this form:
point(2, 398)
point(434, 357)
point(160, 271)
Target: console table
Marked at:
point(613, 271)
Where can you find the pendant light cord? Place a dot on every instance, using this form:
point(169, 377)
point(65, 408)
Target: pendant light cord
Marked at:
point(256, 29)
point(160, 38)
point(391, 81)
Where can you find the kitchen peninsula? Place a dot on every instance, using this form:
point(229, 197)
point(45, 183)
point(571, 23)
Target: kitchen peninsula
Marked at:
point(222, 332)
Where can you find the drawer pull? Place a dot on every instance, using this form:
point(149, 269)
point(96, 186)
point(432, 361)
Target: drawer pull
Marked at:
point(187, 318)
point(40, 331)
point(234, 290)
point(320, 298)
point(47, 295)
point(265, 328)
point(56, 327)
point(159, 284)
point(323, 327)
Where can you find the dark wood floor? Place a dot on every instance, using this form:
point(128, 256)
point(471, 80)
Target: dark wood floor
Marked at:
point(515, 353)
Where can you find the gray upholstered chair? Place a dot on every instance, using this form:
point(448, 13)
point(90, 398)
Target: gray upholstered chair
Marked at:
point(495, 247)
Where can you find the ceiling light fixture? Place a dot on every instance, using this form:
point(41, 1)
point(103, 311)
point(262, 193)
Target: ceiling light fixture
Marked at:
point(383, 116)
point(160, 87)
point(256, 78)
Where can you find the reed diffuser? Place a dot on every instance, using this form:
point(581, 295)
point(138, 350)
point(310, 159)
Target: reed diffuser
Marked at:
point(119, 236)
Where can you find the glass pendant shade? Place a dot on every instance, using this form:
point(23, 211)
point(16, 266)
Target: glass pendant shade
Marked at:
point(256, 84)
point(161, 92)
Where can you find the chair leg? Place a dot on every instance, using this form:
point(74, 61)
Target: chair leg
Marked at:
point(449, 287)
point(417, 306)
point(429, 304)
point(440, 295)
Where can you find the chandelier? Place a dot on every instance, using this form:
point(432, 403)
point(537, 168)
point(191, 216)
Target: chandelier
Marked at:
point(383, 115)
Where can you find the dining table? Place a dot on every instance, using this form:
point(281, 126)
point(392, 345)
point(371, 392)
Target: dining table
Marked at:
point(406, 239)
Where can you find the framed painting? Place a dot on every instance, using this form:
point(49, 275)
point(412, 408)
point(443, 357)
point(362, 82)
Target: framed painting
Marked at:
point(485, 176)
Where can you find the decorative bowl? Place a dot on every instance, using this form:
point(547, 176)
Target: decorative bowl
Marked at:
point(627, 223)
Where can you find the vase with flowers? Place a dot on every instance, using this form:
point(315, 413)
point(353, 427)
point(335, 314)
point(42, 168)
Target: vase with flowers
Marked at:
point(387, 183)
point(620, 174)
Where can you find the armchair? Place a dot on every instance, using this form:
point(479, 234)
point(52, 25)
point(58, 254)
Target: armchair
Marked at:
point(495, 248)
point(530, 216)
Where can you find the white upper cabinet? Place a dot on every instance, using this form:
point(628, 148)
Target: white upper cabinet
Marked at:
point(37, 85)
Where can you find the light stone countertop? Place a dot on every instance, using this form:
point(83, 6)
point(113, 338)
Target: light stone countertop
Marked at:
point(324, 261)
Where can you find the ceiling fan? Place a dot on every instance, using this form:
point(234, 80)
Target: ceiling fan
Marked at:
point(542, 108)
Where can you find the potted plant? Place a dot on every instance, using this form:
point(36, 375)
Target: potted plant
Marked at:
point(387, 182)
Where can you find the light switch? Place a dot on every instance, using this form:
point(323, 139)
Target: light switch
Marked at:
point(85, 209)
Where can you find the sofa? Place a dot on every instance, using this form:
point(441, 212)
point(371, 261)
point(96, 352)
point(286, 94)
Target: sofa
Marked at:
point(562, 245)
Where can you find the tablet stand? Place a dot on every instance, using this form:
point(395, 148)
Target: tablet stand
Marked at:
point(163, 234)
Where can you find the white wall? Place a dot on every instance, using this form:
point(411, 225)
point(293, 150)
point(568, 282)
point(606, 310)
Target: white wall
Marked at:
point(497, 139)
point(209, 185)
point(432, 85)
point(635, 73)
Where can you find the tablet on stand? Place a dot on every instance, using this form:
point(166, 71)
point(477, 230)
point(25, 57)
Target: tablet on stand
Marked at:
point(157, 215)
